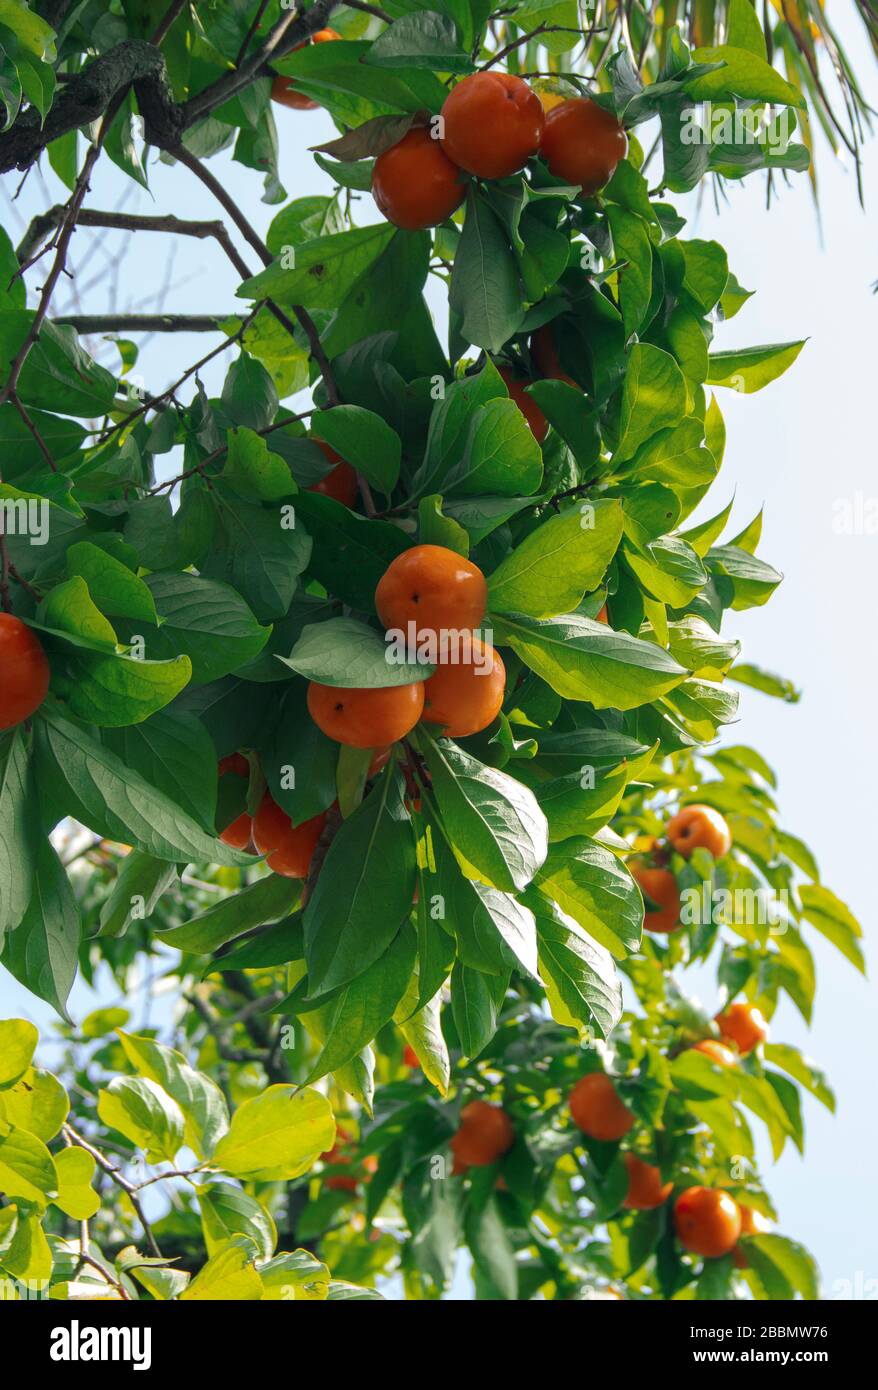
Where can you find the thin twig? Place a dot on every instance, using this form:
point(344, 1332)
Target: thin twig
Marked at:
point(118, 1178)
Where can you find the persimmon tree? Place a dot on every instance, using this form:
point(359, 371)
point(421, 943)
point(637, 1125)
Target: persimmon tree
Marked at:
point(393, 719)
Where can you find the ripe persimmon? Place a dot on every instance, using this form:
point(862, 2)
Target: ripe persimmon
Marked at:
point(283, 89)
point(236, 763)
point(410, 1058)
point(415, 184)
point(544, 353)
point(602, 616)
point(360, 718)
point(288, 848)
point(24, 672)
point(707, 1221)
point(485, 1134)
point(743, 1025)
point(239, 832)
point(661, 886)
point(753, 1223)
point(645, 1187)
point(582, 143)
point(716, 1051)
point(341, 483)
point(596, 1108)
point(493, 123)
point(699, 827)
point(539, 425)
point(434, 588)
point(467, 696)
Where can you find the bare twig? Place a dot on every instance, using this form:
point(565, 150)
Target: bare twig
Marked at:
point(146, 323)
point(173, 11)
point(118, 1178)
point(38, 438)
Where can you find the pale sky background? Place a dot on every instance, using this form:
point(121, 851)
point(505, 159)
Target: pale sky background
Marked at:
point(802, 445)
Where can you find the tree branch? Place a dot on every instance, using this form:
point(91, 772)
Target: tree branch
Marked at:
point(146, 323)
point(118, 1178)
point(135, 62)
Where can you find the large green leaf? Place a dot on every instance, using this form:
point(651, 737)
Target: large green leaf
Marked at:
point(89, 782)
point(582, 660)
point(593, 887)
point(277, 1135)
point(551, 569)
point(364, 891)
point(498, 831)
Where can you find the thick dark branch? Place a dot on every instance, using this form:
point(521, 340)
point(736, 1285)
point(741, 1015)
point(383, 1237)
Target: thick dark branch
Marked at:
point(135, 62)
point(46, 222)
point(147, 323)
point(84, 100)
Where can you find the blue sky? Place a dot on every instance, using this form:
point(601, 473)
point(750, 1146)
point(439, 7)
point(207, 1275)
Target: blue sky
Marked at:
point(801, 447)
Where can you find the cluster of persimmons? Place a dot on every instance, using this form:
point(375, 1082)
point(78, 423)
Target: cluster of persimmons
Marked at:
point(490, 125)
point(433, 595)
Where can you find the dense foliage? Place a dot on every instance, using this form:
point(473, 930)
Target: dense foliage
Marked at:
point(465, 934)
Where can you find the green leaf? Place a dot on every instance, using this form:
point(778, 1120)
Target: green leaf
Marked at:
point(476, 1001)
point(297, 1274)
point(770, 684)
point(364, 440)
point(803, 1070)
point(501, 456)
point(632, 245)
point(259, 552)
point(569, 412)
point(357, 1012)
point(114, 588)
point(147, 1116)
point(582, 986)
point(743, 74)
point(58, 375)
point(492, 1249)
point(346, 653)
point(494, 932)
point(749, 369)
point(18, 1041)
point(653, 398)
point(249, 394)
point(174, 753)
point(19, 827)
point(833, 920)
point(42, 951)
point(423, 40)
point(493, 822)
point(76, 1196)
point(229, 1275)
point(350, 552)
point(364, 891)
point(26, 1167)
point(783, 1267)
point(95, 787)
point(592, 886)
point(253, 470)
point(485, 292)
point(744, 30)
point(266, 900)
point(322, 271)
point(137, 888)
point(207, 622)
point(226, 1211)
point(202, 1103)
point(583, 660)
point(277, 1135)
point(36, 1102)
point(551, 569)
